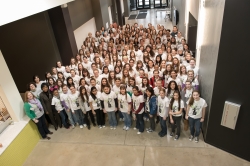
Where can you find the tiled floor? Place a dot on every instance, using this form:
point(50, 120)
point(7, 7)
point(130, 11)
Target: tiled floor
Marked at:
point(107, 147)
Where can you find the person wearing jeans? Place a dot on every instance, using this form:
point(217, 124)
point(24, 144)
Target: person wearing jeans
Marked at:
point(109, 104)
point(195, 114)
point(151, 108)
point(57, 106)
point(124, 103)
point(138, 108)
point(65, 104)
point(162, 111)
point(73, 99)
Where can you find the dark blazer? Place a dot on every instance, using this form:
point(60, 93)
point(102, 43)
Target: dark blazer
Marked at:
point(46, 102)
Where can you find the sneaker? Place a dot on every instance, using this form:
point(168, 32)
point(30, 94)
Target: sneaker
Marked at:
point(103, 126)
point(114, 127)
point(176, 137)
point(135, 128)
point(171, 134)
point(150, 131)
point(144, 118)
point(100, 126)
point(124, 128)
point(120, 119)
point(81, 126)
point(127, 128)
point(147, 119)
point(123, 119)
point(111, 127)
point(138, 132)
point(191, 138)
point(73, 126)
point(196, 139)
point(84, 125)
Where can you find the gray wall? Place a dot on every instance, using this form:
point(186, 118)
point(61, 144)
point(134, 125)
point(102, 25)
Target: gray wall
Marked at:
point(180, 6)
point(104, 11)
point(209, 52)
point(28, 46)
point(126, 4)
point(97, 13)
point(80, 12)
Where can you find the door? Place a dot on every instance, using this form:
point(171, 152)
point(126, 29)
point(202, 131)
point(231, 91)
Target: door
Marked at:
point(142, 4)
point(160, 3)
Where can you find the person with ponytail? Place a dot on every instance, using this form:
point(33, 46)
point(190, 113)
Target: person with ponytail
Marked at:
point(95, 105)
point(85, 107)
point(176, 106)
point(195, 114)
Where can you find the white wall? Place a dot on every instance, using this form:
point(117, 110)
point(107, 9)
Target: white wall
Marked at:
point(192, 6)
point(110, 15)
point(122, 6)
point(82, 32)
point(9, 92)
point(12, 10)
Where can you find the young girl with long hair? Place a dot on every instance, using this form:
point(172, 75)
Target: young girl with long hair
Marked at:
point(125, 77)
point(124, 103)
point(85, 107)
point(73, 64)
point(105, 72)
point(195, 114)
point(86, 75)
point(111, 78)
point(172, 87)
point(151, 108)
point(118, 72)
point(176, 106)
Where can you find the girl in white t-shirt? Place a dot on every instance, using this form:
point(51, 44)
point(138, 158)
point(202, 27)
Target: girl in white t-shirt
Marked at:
point(85, 107)
point(176, 106)
point(95, 105)
point(195, 114)
point(162, 112)
point(109, 104)
point(124, 102)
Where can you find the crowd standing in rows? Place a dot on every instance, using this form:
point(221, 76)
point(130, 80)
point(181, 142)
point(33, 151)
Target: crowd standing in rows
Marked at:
point(127, 73)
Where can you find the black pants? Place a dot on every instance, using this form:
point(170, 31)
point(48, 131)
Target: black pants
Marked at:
point(139, 122)
point(86, 118)
point(176, 124)
point(55, 119)
point(42, 128)
point(152, 121)
point(100, 117)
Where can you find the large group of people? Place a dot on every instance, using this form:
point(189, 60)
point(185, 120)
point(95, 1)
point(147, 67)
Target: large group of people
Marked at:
point(123, 73)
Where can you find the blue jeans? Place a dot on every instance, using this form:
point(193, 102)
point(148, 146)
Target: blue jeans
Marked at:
point(79, 116)
point(120, 114)
point(163, 126)
point(71, 117)
point(139, 122)
point(112, 119)
point(195, 126)
point(63, 117)
point(127, 119)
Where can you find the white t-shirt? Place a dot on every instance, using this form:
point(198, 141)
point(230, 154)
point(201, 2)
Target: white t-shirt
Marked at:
point(137, 100)
point(97, 102)
point(123, 102)
point(171, 94)
point(76, 80)
point(61, 69)
point(175, 107)
point(195, 110)
point(109, 102)
point(116, 90)
point(195, 69)
point(98, 80)
point(157, 91)
point(74, 101)
point(194, 82)
point(138, 80)
point(87, 65)
point(64, 97)
point(177, 80)
point(163, 105)
point(84, 105)
point(182, 77)
point(57, 103)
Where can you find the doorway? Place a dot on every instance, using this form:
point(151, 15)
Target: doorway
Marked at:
point(160, 3)
point(143, 4)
